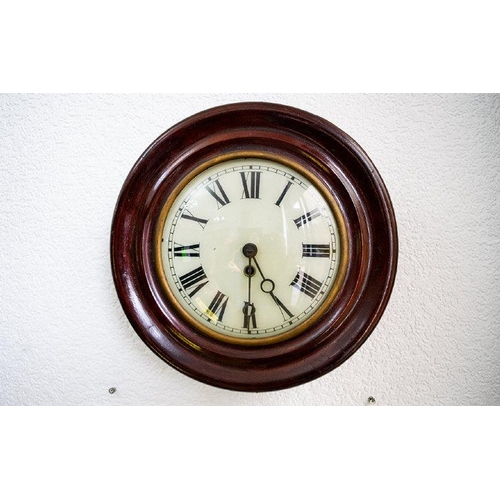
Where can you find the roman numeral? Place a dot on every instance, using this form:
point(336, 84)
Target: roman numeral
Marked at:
point(306, 284)
point(194, 281)
point(309, 216)
point(217, 307)
point(186, 250)
point(189, 216)
point(249, 315)
point(218, 193)
point(283, 193)
point(250, 190)
point(314, 250)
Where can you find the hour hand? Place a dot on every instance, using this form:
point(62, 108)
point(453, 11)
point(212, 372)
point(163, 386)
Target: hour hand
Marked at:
point(282, 307)
point(266, 285)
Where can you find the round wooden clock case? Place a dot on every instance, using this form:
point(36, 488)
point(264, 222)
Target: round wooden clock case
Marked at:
point(262, 146)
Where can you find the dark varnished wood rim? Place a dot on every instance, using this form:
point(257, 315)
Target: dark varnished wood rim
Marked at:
point(297, 137)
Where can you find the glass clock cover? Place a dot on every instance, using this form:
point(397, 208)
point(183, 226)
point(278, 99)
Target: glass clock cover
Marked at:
point(249, 249)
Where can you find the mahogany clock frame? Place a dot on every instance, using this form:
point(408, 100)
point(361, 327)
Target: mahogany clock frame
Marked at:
point(296, 136)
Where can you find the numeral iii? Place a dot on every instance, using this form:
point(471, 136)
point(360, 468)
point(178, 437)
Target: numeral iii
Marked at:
point(313, 250)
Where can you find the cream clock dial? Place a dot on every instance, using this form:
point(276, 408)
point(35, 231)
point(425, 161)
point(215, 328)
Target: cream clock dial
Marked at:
point(250, 249)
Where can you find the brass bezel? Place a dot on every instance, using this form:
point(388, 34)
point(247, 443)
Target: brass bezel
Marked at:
point(343, 244)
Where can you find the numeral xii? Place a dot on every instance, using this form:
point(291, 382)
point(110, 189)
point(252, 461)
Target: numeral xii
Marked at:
point(251, 184)
point(186, 250)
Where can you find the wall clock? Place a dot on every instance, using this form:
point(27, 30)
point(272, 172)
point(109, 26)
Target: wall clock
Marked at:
point(254, 246)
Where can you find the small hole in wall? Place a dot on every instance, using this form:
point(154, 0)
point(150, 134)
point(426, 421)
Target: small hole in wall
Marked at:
point(112, 390)
point(371, 400)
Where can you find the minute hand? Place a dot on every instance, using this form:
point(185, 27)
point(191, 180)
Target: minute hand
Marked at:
point(267, 286)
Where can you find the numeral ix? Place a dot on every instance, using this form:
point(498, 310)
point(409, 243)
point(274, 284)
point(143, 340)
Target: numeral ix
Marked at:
point(186, 250)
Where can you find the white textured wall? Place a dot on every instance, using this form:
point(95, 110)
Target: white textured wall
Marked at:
point(65, 340)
